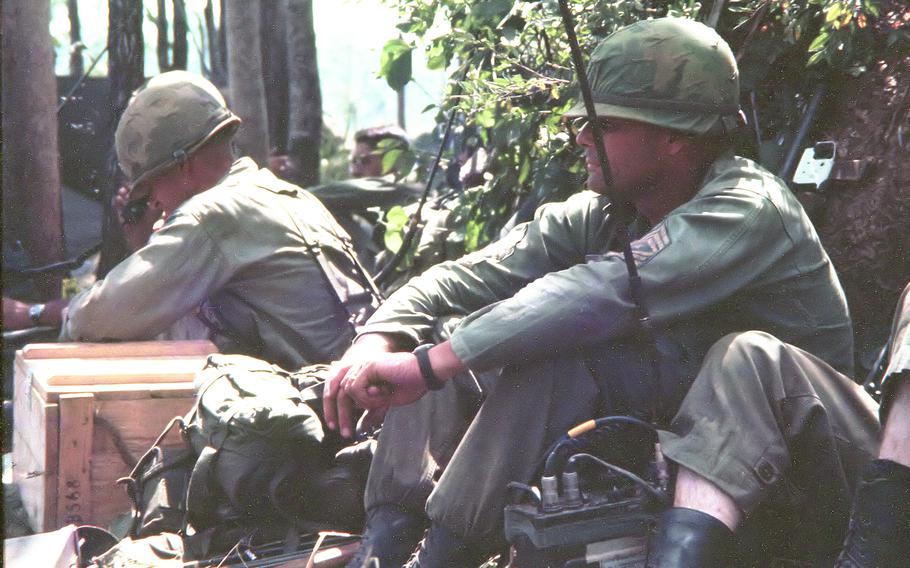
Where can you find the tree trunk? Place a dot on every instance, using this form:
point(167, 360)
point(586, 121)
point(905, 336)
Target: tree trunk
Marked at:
point(401, 107)
point(275, 71)
point(216, 55)
point(304, 100)
point(31, 180)
point(125, 74)
point(164, 60)
point(76, 68)
point(222, 44)
point(180, 30)
point(247, 93)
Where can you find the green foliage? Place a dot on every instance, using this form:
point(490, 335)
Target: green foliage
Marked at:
point(512, 76)
point(397, 159)
point(395, 63)
point(396, 222)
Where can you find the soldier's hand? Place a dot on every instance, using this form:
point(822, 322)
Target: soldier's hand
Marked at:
point(392, 379)
point(136, 233)
point(337, 405)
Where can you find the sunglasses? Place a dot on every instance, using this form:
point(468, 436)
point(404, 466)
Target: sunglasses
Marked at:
point(576, 125)
point(364, 159)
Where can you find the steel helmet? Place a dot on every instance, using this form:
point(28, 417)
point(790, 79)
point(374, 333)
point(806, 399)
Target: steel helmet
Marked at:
point(670, 72)
point(166, 120)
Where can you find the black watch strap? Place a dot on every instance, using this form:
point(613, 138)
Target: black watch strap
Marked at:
point(433, 382)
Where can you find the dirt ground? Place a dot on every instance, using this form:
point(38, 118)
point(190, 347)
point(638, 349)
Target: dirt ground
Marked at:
point(865, 225)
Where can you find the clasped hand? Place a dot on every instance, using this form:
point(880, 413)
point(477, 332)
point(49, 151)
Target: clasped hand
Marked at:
point(375, 382)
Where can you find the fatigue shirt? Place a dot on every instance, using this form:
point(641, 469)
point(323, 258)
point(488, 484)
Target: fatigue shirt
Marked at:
point(362, 193)
point(236, 253)
point(740, 255)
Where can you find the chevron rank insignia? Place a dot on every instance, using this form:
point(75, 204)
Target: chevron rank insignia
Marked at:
point(647, 247)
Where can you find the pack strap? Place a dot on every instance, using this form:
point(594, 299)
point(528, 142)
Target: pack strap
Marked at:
point(341, 297)
point(200, 499)
point(132, 481)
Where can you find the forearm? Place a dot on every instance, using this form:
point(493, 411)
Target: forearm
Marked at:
point(18, 314)
point(412, 312)
point(445, 362)
point(152, 288)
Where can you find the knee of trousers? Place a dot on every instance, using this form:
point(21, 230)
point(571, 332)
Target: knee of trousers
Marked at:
point(759, 358)
point(728, 428)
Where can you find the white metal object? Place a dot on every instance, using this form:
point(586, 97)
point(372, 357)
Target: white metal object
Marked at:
point(815, 165)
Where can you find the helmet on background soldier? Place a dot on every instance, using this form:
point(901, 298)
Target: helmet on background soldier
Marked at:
point(167, 119)
point(669, 72)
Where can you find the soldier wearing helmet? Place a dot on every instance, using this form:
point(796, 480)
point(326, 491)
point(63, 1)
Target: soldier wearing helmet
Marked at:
point(544, 317)
point(254, 263)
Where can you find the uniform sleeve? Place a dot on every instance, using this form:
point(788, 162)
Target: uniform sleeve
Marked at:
point(555, 240)
point(700, 254)
point(152, 288)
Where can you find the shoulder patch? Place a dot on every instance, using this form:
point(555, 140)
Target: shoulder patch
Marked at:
point(647, 247)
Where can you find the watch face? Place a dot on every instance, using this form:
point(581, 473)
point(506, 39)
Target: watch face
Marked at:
point(34, 312)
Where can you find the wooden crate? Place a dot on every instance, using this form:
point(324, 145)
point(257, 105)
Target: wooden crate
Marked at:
point(83, 412)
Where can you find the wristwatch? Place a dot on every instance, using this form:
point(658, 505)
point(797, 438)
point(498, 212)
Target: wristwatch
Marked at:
point(35, 311)
point(430, 378)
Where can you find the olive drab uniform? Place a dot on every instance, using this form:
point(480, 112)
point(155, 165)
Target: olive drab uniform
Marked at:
point(550, 306)
point(259, 260)
point(802, 433)
point(898, 368)
point(357, 205)
point(785, 436)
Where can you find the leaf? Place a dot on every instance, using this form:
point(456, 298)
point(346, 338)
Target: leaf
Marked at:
point(406, 164)
point(819, 42)
point(485, 118)
point(491, 9)
point(472, 235)
point(395, 63)
point(389, 159)
point(816, 58)
point(436, 57)
point(525, 170)
point(396, 222)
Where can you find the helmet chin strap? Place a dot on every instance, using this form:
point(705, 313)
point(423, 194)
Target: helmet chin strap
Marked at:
point(619, 208)
point(585, 87)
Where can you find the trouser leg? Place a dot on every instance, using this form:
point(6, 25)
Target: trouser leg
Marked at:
point(527, 409)
point(415, 441)
point(531, 406)
point(779, 431)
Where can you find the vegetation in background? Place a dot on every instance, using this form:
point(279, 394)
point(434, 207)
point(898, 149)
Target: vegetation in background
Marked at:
point(511, 77)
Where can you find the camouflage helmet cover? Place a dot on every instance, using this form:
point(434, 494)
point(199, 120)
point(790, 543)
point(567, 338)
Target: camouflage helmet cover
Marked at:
point(670, 72)
point(167, 119)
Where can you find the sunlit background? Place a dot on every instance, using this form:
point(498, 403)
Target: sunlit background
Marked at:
point(349, 38)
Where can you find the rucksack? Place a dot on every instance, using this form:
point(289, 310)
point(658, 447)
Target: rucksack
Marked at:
point(253, 444)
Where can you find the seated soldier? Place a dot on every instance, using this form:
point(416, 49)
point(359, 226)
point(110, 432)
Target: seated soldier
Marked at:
point(771, 436)
point(770, 442)
point(352, 200)
point(260, 262)
point(366, 158)
point(721, 245)
point(879, 530)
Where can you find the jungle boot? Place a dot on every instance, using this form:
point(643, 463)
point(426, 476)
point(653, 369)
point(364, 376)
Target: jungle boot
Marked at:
point(686, 538)
point(879, 530)
point(440, 548)
point(391, 534)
